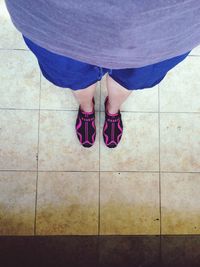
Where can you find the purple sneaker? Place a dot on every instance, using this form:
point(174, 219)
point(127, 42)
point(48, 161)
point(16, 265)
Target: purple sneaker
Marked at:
point(85, 126)
point(113, 127)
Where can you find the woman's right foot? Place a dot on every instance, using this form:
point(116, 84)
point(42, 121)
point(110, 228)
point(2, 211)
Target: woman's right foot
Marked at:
point(85, 126)
point(113, 127)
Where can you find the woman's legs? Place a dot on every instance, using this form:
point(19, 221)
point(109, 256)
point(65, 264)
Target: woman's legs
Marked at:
point(84, 97)
point(117, 94)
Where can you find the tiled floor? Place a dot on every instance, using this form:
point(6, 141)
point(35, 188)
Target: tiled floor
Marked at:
point(51, 185)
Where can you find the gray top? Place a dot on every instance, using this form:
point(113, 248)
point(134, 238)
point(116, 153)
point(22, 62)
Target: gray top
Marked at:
point(114, 34)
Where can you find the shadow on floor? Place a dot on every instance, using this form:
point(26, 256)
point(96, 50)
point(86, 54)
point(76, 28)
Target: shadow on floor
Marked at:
point(100, 251)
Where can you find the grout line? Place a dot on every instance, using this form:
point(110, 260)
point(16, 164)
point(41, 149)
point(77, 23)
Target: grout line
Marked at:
point(160, 244)
point(12, 170)
point(37, 160)
point(128, 111)
point(99, 201)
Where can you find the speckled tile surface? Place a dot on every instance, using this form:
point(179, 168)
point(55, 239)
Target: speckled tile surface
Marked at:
point(180, 203)
point(19, 139)
point(20, 87)
point(129, 203)
point(67, 203)
point(17, 202)
point(59, 147)
point(10, 37)
point(179, 90)
point(180, 142)
point(140, 137)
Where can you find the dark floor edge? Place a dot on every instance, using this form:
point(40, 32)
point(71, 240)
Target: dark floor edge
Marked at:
point(99, 236)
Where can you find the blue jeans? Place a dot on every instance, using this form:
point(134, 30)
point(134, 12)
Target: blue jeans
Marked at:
point(73, 74)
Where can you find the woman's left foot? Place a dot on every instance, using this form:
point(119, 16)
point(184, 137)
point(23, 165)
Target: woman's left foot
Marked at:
point(113, 127)
point(85, 126)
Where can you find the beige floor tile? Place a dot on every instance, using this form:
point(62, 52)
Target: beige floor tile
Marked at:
point(10, 37)
point(139, 100)
point(129, 203)
point(138, 147)
point(59, 147)
point(19, 139)
point(180, 203)
point(67, 203)
point(54, 97)
point(195, 51)
point(179, 91)
point(17, 203)
point(19, 87)
point(180, 142)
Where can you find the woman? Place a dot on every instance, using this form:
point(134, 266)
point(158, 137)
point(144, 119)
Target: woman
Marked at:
point(135, 41)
